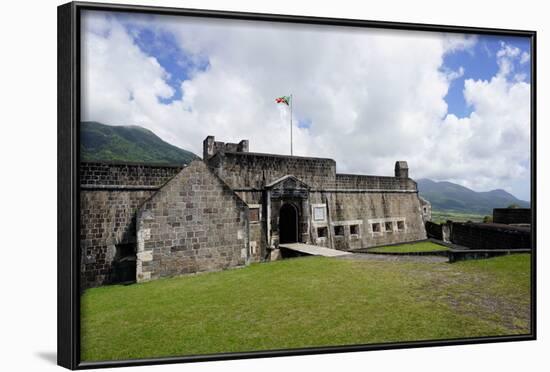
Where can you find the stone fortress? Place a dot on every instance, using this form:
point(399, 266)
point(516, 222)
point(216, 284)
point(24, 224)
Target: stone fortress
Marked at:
point(141, 222)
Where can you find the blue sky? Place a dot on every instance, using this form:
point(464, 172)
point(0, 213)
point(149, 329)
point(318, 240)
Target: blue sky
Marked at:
point(163, 46)
point(365, 98)
point(479, 64)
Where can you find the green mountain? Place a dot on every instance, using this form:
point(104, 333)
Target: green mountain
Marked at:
point(448, 196)
point(100, 142)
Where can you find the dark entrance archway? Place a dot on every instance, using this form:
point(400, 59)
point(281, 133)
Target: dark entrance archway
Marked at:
point(288, 224)
point(124, 264)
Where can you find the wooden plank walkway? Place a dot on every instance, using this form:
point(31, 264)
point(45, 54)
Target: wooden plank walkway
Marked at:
point(314, 250)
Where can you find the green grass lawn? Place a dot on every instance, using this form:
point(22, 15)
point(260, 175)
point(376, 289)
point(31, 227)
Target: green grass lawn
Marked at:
point(408, 248)
point(443, 216)
point(305, 302)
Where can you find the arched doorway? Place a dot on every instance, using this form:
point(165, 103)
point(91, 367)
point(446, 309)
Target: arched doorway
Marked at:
point(288, 224)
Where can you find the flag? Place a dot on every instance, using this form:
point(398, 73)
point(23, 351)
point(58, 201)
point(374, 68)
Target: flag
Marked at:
point(283, 99)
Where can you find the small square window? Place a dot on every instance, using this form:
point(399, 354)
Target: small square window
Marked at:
point(322, 232)
point(319, 213)
point(375, 227)
point(338, 230)
point(254, 214)
point(389, 226)
point(400, 225)
point(354, 229)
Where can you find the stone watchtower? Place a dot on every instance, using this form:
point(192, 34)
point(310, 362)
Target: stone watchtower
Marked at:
point(210, 147)
point(401, 169)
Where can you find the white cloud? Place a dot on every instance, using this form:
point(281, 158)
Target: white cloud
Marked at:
point(453, 75)
point(507, 50)
point(487, 148)
point(457, 42)
point(525, 57)
point(120, 83)
point(372, 96)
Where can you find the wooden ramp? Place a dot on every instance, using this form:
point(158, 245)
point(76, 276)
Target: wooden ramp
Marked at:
point(313, 250)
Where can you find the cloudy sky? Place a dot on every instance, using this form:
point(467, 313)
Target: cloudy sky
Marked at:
point(456, 107)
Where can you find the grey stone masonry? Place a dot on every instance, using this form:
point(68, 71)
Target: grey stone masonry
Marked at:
point(105, 174)
point(242, 170)
point(379, 218)
point(426, 209)
point(194, 223)
point(110, 195)
point(484, 236)
point(490, 236)
point(512, 215)
point(210, 147)
point(144, 221)
point(107, 220)
point(372, 183)
point(401, 169)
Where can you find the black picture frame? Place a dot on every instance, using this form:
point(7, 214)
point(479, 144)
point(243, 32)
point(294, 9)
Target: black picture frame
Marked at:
point(68, 322)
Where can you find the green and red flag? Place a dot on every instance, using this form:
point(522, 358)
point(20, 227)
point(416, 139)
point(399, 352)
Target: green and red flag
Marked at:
point(283, 99)
point(287, 100)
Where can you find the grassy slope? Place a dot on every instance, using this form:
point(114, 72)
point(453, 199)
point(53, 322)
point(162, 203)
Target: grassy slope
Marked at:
point(305, 302)
point(415, 247)
point(100, 142)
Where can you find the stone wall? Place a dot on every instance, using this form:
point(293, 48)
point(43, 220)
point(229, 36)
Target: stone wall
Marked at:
point(213, 216)
point(490, 236)
point(194, 223)
point(210, 147)
point(512, 215)
point(257, 228)
point(481, 235)
point(365, 182)
point(434, 230)
point(110, 195)
point(426, 209)
point(357, 220)
point(241, 170)
point(107, 221)
point(129, 175)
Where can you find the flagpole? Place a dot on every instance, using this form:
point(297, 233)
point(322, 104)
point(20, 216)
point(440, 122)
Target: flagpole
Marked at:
point(291, 99)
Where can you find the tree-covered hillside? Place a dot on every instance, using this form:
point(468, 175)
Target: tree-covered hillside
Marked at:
point(448, 196)
point(100, 142)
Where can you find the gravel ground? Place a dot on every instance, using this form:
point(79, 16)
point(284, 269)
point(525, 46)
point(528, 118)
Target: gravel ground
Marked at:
point(399, 258)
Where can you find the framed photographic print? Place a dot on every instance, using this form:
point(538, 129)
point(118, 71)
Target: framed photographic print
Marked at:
point(237, 185)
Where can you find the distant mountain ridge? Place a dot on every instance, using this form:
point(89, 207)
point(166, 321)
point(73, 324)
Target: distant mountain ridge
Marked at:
point(448, 196)
point(101, 142)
